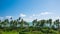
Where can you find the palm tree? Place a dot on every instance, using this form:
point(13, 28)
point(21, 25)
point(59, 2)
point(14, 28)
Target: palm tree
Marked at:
point(11, 18)
point(42, 22)
point(34, 22)
point(0, 24)
point(50, 22)
point(57, 23)
point(6, 21)
point(22, 23)
point(18, 20)
point(11, 24)
point(0, 20)
point(15, 24)
point(38, 23)
point(27, 24)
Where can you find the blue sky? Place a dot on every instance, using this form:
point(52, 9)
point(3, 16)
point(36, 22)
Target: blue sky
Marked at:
point(30, 9)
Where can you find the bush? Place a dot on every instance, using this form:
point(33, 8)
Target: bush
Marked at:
point(22, 33)
point(0, 32)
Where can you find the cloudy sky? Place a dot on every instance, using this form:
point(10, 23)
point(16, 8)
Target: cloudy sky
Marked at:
point(30, 9)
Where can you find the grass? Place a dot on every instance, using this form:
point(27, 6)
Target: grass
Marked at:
point(33, 32)
point(10, 32)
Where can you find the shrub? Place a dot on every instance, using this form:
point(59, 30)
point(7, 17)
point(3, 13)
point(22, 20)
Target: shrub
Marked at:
point(0, 32)
point(22, 33)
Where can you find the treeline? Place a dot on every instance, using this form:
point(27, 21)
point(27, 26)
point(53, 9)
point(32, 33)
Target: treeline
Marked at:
point(20, 24)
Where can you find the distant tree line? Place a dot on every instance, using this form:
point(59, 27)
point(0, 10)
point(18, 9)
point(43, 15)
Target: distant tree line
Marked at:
point(20, 24)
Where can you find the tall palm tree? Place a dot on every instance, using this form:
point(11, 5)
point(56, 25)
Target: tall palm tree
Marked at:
point(11, 18)
point(0, 20)
point(50, 22)
point(0, 24)
point(15, 24)
point(18, 20)
point(22, 23)
point(57, 23)
point(42, 22)
point(27, 24)
point(34, 22)
point(38, 23)
point(11, 22)
point(6, 21)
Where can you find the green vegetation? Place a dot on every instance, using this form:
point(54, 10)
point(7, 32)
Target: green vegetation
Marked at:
point(19, 26)
point(11, 32)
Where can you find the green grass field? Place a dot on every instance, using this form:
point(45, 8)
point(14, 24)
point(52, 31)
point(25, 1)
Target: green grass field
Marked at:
point(31, 32)
point(13, 32)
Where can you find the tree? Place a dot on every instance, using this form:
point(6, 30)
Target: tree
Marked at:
point(11, 18)
point(15, 24)
point(50, 22)
point(22, 23)
point(5, 22)
point(57, 23)
point(0, 24)
point(11, 24)
point(0, 20)
point(18, 20)
point(27, 24)
point(42, 22)
point(34, 22)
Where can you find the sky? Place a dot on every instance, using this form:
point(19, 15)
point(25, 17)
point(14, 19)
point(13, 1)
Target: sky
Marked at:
point(30, 9)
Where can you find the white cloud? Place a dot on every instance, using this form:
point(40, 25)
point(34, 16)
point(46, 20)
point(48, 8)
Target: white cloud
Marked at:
point(30, 17)
point(58, 17)
point(8, 17)
point(42, 13)
point(1, 18)
point(33, 15)
point(45, 13)
point(22, 15)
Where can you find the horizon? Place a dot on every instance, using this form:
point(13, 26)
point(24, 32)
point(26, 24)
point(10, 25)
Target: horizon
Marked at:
point(30, 9)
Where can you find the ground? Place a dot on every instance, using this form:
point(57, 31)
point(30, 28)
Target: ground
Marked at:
point(33, 32)
point(10, 32)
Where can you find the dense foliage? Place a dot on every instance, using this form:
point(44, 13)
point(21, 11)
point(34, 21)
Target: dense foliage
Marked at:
point(37, 27)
